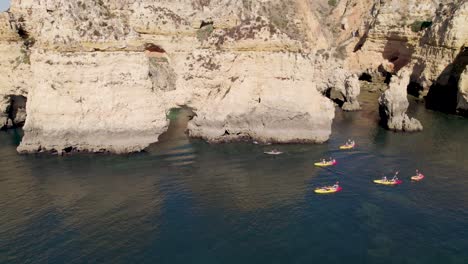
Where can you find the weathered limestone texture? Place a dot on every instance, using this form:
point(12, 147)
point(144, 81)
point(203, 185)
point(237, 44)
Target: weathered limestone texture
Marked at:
point(101, 75)
point(105, 73)
point(15, 68)
point(353, 89)
point(92, 101)
point(394, 103)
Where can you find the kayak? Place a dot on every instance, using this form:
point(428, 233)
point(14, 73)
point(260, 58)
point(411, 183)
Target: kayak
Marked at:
point(273, 152)
point(388, 182)
point(347, 147)
point(417, 177)
point(327, 190)
point(326, 164)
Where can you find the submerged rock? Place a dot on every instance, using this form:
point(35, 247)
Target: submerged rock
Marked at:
point(394, 104)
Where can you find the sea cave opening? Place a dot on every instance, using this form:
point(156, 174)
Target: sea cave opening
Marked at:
point(179, 118)
point(14, 115)
point(365, 77)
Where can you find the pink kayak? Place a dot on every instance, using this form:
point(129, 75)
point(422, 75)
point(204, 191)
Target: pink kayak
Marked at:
point(417, 177)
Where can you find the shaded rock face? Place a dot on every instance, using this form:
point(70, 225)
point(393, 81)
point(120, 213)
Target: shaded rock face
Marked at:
point(462, 100)
point(15, 111)
point(394, 104)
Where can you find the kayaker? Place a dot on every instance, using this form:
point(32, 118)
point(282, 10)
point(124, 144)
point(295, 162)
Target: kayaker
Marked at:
point(418, 173)
point(395, 178)
point(336, 186)
point(384, 178)
point(323, 161)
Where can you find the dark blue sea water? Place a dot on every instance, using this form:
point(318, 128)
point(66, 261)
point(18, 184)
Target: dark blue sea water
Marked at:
point(186, 201)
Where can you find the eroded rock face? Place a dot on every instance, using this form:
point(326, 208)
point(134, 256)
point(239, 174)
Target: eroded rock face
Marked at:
point(110, 70)
point(265, 109)
point(462, 100)
point(15, 67)
point(394, 103)
point(95, 101)
point(353, 89)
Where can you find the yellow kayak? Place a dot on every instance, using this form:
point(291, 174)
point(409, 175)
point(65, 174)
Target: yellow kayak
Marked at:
point(347, 147)
point(390, 182)
point(327, 190)
point(326, 164)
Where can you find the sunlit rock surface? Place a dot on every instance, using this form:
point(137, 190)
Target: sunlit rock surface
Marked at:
point(102, 75)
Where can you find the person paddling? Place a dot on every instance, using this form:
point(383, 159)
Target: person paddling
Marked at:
point(395, 178)
point(336, 186)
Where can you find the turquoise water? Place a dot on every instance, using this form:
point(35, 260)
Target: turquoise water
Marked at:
point(186, 201)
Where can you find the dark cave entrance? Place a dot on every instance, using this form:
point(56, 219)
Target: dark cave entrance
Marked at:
point(443, 94)
point(15, 113)
point(365, 77)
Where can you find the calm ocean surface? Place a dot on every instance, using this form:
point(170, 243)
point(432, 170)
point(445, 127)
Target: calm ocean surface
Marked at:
point(186, 201)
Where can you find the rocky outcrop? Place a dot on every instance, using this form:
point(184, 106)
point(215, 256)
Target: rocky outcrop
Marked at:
point(96, 101)
point(352, 89)
point(266, 109)
point(394, 104)
point(462, 99)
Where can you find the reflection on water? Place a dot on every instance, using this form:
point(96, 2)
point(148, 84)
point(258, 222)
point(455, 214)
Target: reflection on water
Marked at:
point(187, 201)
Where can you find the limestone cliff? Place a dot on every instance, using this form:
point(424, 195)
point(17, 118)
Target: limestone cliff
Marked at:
point(394, 103)
point(15, 65)
point(101, 75)
point(427, 37)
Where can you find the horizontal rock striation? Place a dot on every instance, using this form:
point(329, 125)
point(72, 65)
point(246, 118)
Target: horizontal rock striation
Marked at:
point(101, 75)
